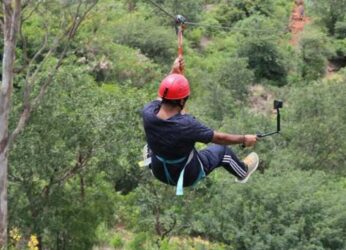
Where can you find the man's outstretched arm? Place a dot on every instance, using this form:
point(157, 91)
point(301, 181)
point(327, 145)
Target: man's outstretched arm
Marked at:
point(228, 139)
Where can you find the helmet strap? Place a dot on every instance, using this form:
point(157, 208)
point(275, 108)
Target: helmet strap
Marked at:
point(182, 102)
point(165, 93)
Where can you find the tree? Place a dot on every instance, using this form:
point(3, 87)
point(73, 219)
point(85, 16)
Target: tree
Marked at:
point(329, 12)
point(55, 46)
point(314, 52)
point(76, 159)
point(319, 146)
point(155, 42)
point(230, 12)
point(266, 58)
point(10, 29)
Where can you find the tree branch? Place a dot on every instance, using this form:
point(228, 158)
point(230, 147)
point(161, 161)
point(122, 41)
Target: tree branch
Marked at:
point(77, 20)
point(25, 48)
point(170, 229)
point(30, 106)
point(2, 26)
point(81, 163)
point(32, 11)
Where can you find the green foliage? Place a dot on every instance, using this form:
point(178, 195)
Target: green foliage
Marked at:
point(339, 46)
point(138, 241)
point(154, 41)
point(265, 60)
point(74, 179)
point(329, 12)
point(233, 11)
point(264, 55)
point(195, 36)
point(272, 212)
point(235, 76)
point(314, 52)
point(117, 242)
point(190, 9)
point(230, 82)
point(76, 140)
point(228, 14)
point(110, 62)
point(266, 215)
point(319, 146)
point(340, 30)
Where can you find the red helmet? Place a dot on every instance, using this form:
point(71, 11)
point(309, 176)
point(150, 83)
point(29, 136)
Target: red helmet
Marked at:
point(174, 87)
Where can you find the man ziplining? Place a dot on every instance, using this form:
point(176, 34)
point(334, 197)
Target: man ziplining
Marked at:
point(171, 136)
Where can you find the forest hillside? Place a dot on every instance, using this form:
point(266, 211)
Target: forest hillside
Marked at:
point(71, 132)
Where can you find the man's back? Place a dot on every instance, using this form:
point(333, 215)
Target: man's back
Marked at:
point(175, 137)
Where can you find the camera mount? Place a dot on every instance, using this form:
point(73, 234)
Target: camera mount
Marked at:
point(278, 104)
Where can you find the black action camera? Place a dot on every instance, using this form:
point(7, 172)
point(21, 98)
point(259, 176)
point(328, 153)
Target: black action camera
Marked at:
point(278, 104)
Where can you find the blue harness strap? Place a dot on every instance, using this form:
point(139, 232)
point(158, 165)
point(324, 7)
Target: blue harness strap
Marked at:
point(165, 162)
point(201, 174)
point(180, 183)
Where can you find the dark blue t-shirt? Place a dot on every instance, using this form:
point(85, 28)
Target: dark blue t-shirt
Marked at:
point(175, 137)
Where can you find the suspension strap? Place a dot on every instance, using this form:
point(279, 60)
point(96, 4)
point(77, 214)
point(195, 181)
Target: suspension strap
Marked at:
point(165, 162)
point(180, 183)
point(201, 174)
point(179, 27)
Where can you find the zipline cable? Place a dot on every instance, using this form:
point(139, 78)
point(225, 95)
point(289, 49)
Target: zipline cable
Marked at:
point(162, 9)
point(230, 28)
point(211, 26)
point(179, 26)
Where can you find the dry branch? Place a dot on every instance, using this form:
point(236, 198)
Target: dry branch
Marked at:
point(30, 105)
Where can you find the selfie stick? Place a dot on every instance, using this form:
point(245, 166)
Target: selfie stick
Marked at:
point(277, 105)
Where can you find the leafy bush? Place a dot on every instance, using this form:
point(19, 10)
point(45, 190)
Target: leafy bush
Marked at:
point(117, 242)
point(265, 60)
point(265, 56)
point(329, 12)
point(340, 30)
point(283, 209)
point(65, 179)
point(228, 14)
point(314, 52)
point(109, 62)
point(280, 209)
point(235, 77)
point(154, 41)
point(316, 122)
point(189, 9)
point(339, 47)
point(73, 171)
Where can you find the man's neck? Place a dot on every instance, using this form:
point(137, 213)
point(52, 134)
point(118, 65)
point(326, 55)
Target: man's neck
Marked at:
point(167, 111)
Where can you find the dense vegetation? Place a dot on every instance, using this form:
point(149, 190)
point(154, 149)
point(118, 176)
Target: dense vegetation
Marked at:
point(74, 181)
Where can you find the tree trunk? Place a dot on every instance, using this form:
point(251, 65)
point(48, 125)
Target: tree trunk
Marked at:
point(10, 26)
point(11, 12)
point(3, 187)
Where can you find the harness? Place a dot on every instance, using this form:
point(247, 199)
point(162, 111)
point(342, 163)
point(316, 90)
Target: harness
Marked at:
point(180, 184)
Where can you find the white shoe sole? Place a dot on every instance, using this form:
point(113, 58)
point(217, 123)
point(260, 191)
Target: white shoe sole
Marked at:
point(250, 173)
